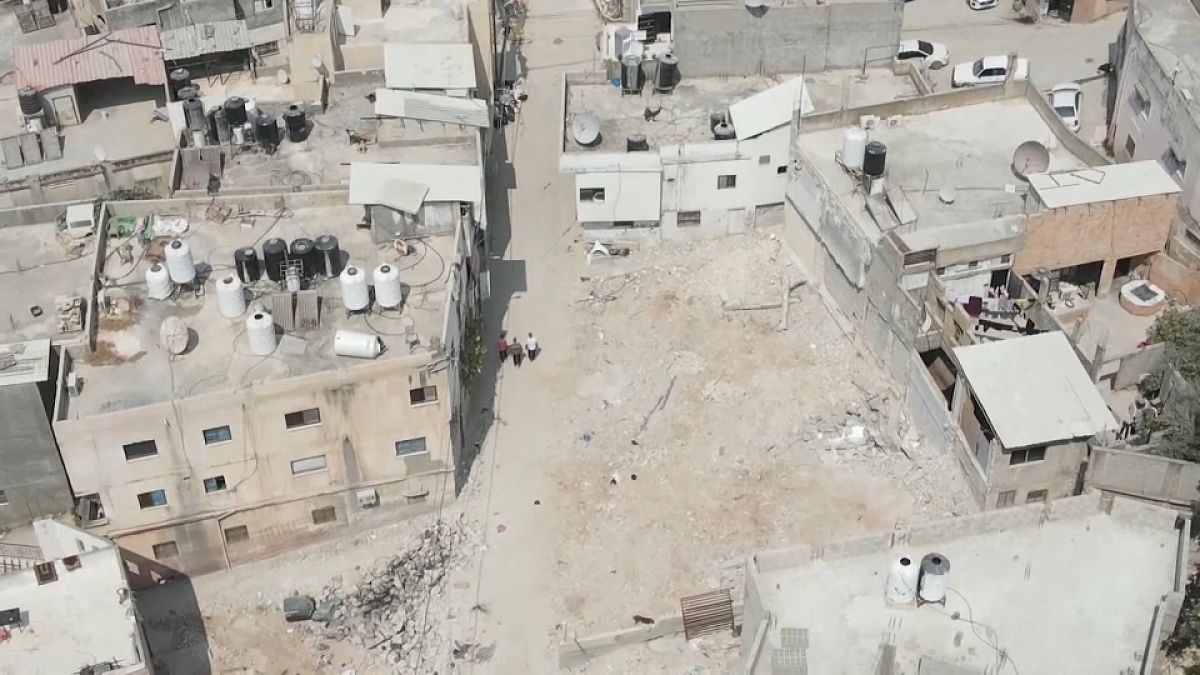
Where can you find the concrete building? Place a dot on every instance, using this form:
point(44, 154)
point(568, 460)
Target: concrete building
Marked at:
point(1080, 585)
point(196, 445)
point(73, 613)
point(1029, 412)
point(263, 20)
point(1155, 111)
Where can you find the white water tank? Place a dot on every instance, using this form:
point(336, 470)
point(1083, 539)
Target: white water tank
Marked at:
point(854, 148)
point(902, 581)
point(355, 294)
point(158, 282)
point(358, 345)
point(935, 577)
point(260, 330)
point(179, 262)
point(389, 292)
point(231, 298)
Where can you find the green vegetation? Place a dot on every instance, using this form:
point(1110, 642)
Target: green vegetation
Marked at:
point(1179, 329)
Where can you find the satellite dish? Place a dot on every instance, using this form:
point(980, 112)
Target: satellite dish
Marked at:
point(585, 129)
point(98, 151)
point(1030, 157)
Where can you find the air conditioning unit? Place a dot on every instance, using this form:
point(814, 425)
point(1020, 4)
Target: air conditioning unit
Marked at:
point(368, 499)
point(73, 386)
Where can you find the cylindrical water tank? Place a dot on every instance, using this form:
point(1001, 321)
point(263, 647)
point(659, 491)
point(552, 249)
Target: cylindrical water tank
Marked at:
point(158, 282)
point(235, 111)
point(260, 331)
point(854, 147)
point(902, 581)
point(631, 73)
point(935, 577)
point(221, 125)
point(245, 261)
point(874, 159)
point(30, 102)
point(636, 143)
point(666, 72)
point(193, 114)
point(358, 345)
point(239, 134)
point(266, 131)
point(302, 250)
point(294, 120)
point(179, 262)
point(274, 257)
point(355, 294)
point(231, 298)
point(723, 131)
point(179, 78)
point(389, 292)
point(190, 91)
point(328, 256)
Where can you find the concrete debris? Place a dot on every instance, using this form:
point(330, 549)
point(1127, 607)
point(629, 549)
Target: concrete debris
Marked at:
point(298, 608)
point(472, 652)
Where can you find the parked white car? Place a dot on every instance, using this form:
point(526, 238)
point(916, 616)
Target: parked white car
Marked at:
point(1067, 99)
point(988, 70)
point(982, 4)
point(932, 54)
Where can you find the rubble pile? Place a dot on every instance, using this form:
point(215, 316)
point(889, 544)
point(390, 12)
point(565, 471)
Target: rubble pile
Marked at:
point(383, 616)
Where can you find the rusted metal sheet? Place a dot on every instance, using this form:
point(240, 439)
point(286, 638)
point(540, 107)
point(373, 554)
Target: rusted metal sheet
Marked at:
point(707, 613)
point(132, 52)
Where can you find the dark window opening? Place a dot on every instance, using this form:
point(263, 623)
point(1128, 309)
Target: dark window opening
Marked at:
point(237, 534)
point(422, 395)
point(1006, 498)
point(214, 484)
point(152, 499)
point(326, 514)
point(1027, 455)
point(726, 182)
point(167, 549)
point(302, 418)
point(216, 435)
point(140, 450)
point(412, 446)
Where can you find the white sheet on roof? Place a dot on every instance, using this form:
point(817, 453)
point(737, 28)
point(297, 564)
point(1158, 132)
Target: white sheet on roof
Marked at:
point(445, 182)
point(431, 107)
point(1106, 183)
point(768, 109)
point(429, 66)
point(369, 186)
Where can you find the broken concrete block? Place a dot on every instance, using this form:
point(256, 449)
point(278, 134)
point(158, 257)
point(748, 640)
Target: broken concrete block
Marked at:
point(298, 608)
point(325, 611)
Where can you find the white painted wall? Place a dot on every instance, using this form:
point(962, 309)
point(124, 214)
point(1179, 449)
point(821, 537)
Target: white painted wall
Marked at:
point(628, 196)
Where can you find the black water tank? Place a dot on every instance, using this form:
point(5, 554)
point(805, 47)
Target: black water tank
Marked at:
point(275, 255)
point(245, 260)
point(631, 74)
point(666, 73)
point(190, 91)
point(636, 143)
point(235, 111)
point(193, 115)
point(221, 124)
point(266, 131)
point(294, 120)
point(328, 256)
point(31, 103)
point(875, 159)
point(179, 78)
point(304, 251)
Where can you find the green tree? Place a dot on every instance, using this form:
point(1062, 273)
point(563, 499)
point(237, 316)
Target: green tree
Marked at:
point(1179, 330)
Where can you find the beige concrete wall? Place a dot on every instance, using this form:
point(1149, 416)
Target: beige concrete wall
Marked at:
point(1057, 473)
point(1177, 279)
point(1172, 482)
point(1076, 235)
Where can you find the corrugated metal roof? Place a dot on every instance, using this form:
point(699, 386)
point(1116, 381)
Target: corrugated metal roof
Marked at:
point(769, 109)
point(446, 182)
point(1107, 183)
point(198, 39)
point(1034, 390)
point(32, 362)
point(370, 186)
point(132, 52)
point(432, 107)
point(429, 66)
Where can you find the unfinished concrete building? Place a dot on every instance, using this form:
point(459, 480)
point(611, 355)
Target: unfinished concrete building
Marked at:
point(265, 370)
point(976, 594)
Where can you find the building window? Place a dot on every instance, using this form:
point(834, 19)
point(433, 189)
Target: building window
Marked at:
point(591, 195)
point(267, 48)
point(214, 484)
point(781, 169)
point(422, 395)
point(688, 219)
point(302, 418)
point(1035, 496)
point(412, 446)
point(1006, 498)
point(152, 499)
point(140, 450)
point(1027, 455)
point(237, 534)
point(973, 264)
point(327, 514)
point(263, 5)
point(217, 435)
point(308, 465)
point(89, 510)
point(1173, 164)
point(1141, 104)
point(167, 549)
point(764, 159)
point(726, 182)
point(1130, 146)
point(3, 498)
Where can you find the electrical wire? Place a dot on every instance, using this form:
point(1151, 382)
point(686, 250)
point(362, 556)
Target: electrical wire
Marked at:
point(1002, 656)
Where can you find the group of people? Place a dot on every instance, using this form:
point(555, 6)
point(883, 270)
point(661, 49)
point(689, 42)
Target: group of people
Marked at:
point(531, 348)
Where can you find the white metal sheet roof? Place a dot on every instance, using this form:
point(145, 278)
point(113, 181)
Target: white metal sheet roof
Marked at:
point(32, 362)
point(370, 186)
point(1034, 390)
point(769, 109)
point(445, 182)
point(1102, 184)
point(429, 66)
point(432, 107)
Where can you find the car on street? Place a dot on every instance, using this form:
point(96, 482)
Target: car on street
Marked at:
point(988, 70)
point(932, 54)
point(1067, 99)
point(982, 4)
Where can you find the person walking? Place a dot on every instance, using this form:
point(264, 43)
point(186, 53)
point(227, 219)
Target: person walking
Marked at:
point(532, 348)
point(502, 348)
point(518, 352)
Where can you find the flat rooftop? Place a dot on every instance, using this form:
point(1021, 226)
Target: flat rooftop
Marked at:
point(130, 368)
point(426, 21)
point(324, 157)
point(1169, 28)
point(84, 618)
point(1061, 588)
point(38, 263)
point(684, 117)
point(967, 149)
